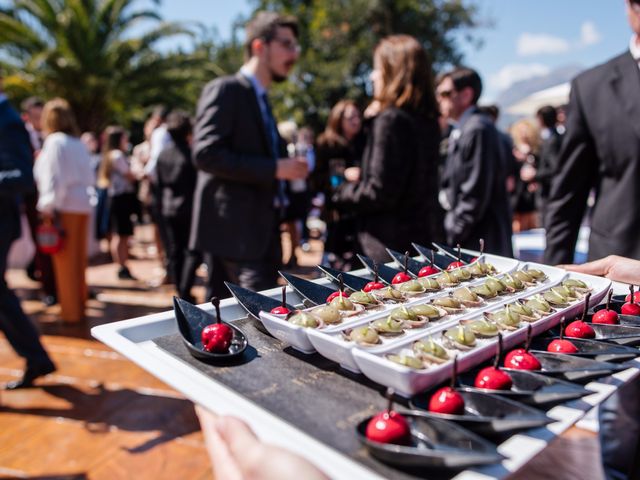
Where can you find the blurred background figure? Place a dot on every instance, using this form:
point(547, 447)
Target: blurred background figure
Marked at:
point(64, 177)
point(16, 179)
point(116, 177)
point(396, 197)
point(526, 140)
point(474, 184)
point(176, 182)
point(339, 148)
point(41, 267)
point(551, 141)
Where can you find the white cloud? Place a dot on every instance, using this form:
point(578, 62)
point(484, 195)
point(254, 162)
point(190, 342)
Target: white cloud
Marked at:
point(515, 72)
point(539, 43)
point(589, 34)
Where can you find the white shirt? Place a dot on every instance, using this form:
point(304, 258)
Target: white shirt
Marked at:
point(63, 175)
point(160, 139)
point(119, 183)
point(634, 48)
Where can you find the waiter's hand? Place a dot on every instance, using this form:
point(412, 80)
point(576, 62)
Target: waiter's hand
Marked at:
point(613, 267)
point(237, 454)
point(295, 168)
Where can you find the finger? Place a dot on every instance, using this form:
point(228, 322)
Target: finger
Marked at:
point(222, 462)
point(237, 434)
point(591, 268)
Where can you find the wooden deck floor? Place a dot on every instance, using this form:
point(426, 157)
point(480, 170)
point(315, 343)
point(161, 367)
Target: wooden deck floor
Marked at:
point(99, 416)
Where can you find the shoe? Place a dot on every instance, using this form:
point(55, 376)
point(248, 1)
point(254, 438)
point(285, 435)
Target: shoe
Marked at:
point(49, 300)
point(30, 374)
point(125, 274)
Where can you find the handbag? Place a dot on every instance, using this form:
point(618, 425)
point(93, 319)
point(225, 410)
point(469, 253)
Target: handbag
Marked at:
point(49, 237)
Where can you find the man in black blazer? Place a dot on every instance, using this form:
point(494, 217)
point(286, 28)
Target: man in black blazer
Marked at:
point(241, 160)
point(601, 151)
point(16, 179)
point(474, 192)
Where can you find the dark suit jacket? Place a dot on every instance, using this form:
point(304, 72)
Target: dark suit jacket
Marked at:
point(474, 181)
point(601, 149)
point(396, 200)
point(16, 171)
point(176, 181)
point(233, 205)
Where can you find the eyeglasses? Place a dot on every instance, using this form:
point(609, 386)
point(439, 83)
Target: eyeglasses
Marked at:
point(288, 44)
point(445, 93)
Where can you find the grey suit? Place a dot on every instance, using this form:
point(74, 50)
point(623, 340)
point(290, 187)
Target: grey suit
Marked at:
point(601, 150)
point(234, 219)
point(474, 181)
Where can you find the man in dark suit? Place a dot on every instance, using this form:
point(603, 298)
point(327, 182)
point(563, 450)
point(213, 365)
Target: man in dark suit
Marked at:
point(16, 179)
point(601, 151)
point(542, 174)
point(176, 182)
point(473, 191)
point(241, 160)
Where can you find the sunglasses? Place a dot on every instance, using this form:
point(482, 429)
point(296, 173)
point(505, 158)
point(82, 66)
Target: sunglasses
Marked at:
point(445, 93)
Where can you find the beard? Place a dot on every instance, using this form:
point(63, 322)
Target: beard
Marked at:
point(277, 78)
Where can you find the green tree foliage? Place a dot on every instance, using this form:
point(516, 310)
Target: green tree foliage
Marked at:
point(84, 51)
point(338, 38)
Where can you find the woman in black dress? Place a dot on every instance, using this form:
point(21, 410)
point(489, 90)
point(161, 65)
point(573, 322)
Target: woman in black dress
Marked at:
point(338, 148)
point(396, 195)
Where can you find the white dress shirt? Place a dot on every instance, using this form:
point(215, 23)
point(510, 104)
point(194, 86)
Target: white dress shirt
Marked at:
point(634, 48)
point(63, 174)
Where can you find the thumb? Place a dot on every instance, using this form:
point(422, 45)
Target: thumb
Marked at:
point(238, 436)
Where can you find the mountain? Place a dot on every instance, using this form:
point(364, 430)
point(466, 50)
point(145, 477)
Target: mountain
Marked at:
point(524, 88)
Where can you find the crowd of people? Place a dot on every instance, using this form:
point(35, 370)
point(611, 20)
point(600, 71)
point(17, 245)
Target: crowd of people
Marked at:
point(422, 162)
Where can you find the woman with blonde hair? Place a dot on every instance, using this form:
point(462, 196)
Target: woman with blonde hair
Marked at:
point(396, 196)
point(526, 146)
point(115, 175)
point(64, 176)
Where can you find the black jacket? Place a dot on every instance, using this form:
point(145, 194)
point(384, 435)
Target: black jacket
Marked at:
point(233, 206)
point(474, 182)
point(601, 150)
point(176, 181)
point(396, 199)
point(16, 170)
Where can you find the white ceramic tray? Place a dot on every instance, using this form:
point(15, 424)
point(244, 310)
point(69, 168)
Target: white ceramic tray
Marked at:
point(407, 381)
point(298, 337)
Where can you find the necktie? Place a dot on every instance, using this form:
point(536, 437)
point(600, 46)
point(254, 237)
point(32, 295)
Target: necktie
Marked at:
point(281, 200)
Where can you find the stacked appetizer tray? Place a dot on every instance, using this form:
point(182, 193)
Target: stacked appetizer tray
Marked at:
point(409, 344)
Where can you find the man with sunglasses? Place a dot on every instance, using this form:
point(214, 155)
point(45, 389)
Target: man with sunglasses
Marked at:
point(601, 151)
point(473, 192)
point(242, 162)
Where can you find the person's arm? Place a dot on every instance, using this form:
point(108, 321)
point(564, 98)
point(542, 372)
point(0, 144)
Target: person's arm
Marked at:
point(388, 170)
point(214, 128)
point(480, 150)
point(50, 177)
point(576, 174)
point(16, 171)
point(613, 267)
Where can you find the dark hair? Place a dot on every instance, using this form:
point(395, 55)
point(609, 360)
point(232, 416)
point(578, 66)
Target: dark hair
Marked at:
point(179, 126)
point(548, 115)
point(112, 138)
point(31, 102)
point(265, 25)
point(463, 77)
point(406, 75)
point(333, 134)
point(492, 110)
point(161, 112)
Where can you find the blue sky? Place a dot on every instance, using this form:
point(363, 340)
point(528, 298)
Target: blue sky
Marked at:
point(527, 37)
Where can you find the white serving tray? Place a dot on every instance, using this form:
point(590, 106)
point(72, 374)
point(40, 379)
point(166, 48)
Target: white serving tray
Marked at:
point(134, 339)
point(298, 337)
point(407, 381)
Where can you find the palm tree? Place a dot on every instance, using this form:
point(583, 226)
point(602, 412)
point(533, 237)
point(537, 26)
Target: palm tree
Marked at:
point(85, 51)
